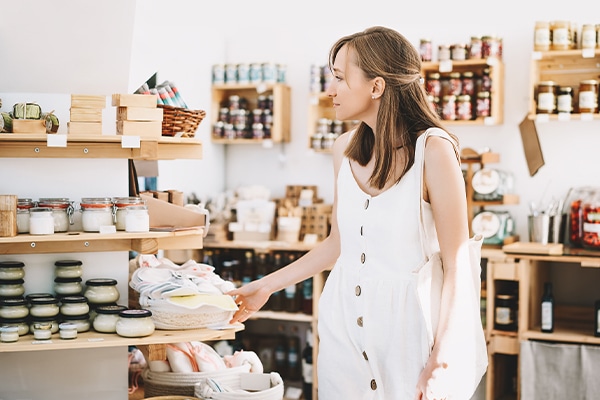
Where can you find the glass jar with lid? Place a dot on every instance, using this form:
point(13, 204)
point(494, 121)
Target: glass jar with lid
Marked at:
point(49, 323)
point(121, 204)
point(505, 318)
point(541, 36)
point(12, 288)
point(41, 221)
point(101, 291)
point(68, 269)
point(95, 213)
point(564, 100)
point(32, 296)
point(458, 52)
point(588, 36)
point(106, 318)
point(588, 96)
point(62, 212)
point(15, 307)
point(137, 219)
point(464, 108)
point(44, 307)
point(9, 334)
point(67, 286)
point(591, 221)
point(11, 270)
point(135, 323)
point(23, 214)
point(20, 323)
point(561, 35)
point(74, 305)
point(546, 97)
point(82, 322)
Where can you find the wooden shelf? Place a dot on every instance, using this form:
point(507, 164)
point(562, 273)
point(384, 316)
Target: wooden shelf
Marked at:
point(283, 316)
point(105, 146)
point(92, 339)
point(564, 335)
point(264, 246)
point(74, 242)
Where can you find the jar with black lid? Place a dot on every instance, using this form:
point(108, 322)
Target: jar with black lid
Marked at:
point(12, 287)
point(546, 97)
point(44, 307)
point(74, 305)
point(101, 291)
point(505, 312)
point(564, 100)
point(67, 286)
point(433, 84)
point(14, 307)
point(11, 270)
point(68, 269)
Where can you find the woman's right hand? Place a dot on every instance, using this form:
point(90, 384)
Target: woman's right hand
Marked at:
point(249, 298)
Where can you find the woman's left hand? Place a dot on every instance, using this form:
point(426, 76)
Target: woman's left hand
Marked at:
point(434, 382)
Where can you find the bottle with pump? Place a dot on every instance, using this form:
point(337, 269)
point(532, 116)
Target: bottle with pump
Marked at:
point(547, 309)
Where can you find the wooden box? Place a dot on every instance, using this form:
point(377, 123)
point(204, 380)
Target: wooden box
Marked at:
point(88, 101)
point(8, 215)
point(134, 100)
point(80, 114)
point(139, 114)
point(29, 126)
point(140, 128)
point(84, 128)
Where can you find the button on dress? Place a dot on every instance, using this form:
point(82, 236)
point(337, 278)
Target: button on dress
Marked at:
point(369, 305)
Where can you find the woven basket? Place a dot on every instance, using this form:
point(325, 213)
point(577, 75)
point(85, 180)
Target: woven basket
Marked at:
point(171, 317)
point(178, 121)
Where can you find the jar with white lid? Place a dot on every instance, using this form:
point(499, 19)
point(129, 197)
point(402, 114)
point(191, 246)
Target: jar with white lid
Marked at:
point(10, 270)
point(101, 291)
point(68, 269)
point(95, 213)
point(67, 286)
point(9, 334)
point(67, 330)
point(12, 288)
point(121, 204)
point(23, 214)
point(74, 305)
point(62, 212)
point(20, 323)
point(137, 219)
point(12, 308)
point(135, 323)
point(41, 221)
point(82, 322)
point(52, 322)
point(106, 318)
point(44, 307)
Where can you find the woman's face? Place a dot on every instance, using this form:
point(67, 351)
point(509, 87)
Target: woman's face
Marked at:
point(351, 91)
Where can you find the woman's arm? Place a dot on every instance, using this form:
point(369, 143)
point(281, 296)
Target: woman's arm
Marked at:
point(253, 296)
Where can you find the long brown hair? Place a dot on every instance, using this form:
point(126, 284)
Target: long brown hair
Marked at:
point(404, 110)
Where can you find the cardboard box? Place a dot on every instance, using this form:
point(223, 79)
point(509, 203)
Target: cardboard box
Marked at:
point(80, 114)
point(29, 126)
point(140, 128)
point(167, 216)
point(139, 114)
point(88, 101)
point(531, 146)
point(84, 128)
point(134, 100)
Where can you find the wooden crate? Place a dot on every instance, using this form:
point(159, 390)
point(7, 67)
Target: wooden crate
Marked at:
point(134, 100)
point(29, 126)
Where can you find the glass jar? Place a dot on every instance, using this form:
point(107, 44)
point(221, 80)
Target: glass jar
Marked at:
point(455, 84)
point(135, 323)
point(68, 269)
point(426, 49)
point(475, 47)
point(546, 97)
point(67, 286)
point(41, 221)
point(106, 318)
point(12, 308)
point(505, 312)
point(458, 52)
point(62, 212)
point(328, 140)
point(23, 214)
point(44, 307)
point(82, 322)
point(588, 96)
point(541, 36)
point(490, 47)
point(42, 330)
point(10, 270)
point(591, 222)
point(20, 323)
point(433, 85)
point(67, 330)
point(52, 322)
point(468, 83)
point(9, 334)
point(101, 291)
point(74, 305)
point(564, 100)
point(464, 109)
point(588, 36)
point(120, 205)
point(137, 219)
point(449, 107)
point(443, 52)
point(95, 213)
point(316, 141)
point(561, 37)
point(12, 288)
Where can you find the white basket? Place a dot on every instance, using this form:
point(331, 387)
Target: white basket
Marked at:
point(204, 391)
point(168, 316)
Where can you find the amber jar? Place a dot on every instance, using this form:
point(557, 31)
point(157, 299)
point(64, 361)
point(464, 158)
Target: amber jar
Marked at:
point(564, 100)
point(588, 96)
point(546, 97)
point(589, 38)
point(505, 311)
point(561, 37)
point(541, 36)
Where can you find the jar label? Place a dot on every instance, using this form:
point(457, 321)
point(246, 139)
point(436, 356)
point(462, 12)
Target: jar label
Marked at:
point(546, 101)
point(503, 316)
point(587, 100)
point(560, 36)
point(542, 37)
point(591, 227)
point(588, 39)
point(546, 315)
point(564, 103)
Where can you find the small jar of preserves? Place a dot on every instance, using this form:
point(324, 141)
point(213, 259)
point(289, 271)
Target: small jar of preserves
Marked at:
point(137, 219)
point(426, 50)
point(541, 36)
point(9, 334)
point(433, 85)
point(483, 105)
point(490, 47)
point(74, 305)
point(81, 322)
point(444, 52)
point(12, 288)
point(135, 323)
point(455, 84)
point(13, 308)
point(101, 291)
point(23, 214)
point(44, 307)
point(67, 286)
point(464, 109)
point(106, 318)
point(449, 107)
point(546, 97)
point(67, 330)
point(468, 83)
point(120, 208)
point(68, 269)
point(588, 36)
point(41, 221)
point(10, 270)
point(505, 312)
point(95, 213)
point(20, 323)
point(591, 222)
point(475, 48)
point(588, 96)
point(561, 36)
point(50, 323)
point(458, 52)
point(62, 212)
point(564, 100)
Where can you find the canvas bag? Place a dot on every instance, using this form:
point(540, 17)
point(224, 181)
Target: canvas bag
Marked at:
point(473, 363)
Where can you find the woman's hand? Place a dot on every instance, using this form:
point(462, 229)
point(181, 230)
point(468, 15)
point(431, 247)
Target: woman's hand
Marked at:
point(434, 381)
point(249, 298)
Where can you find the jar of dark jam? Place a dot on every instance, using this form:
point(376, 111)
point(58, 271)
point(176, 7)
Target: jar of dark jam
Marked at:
point(505, 312)
point(433, 85)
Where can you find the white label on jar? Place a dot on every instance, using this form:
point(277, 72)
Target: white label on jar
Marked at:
point(546, 315)
point(564, 103)
point(592, 228)
point(503, 316)
point(542, 37)
point(546, 101)
point(588, 39)
point(587, 100)
point(560, 36)
point(41, 225)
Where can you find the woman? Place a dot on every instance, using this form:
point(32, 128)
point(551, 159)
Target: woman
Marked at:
point(373, 339)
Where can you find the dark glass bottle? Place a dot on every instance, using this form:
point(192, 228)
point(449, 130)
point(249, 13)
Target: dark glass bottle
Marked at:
point(547, 305)
point(597, 318)
point(307, 296)
point(294, 362)
point(280, 353)
point(293, 292)
point(248, 268)
point(307, 366)
point(277, 298)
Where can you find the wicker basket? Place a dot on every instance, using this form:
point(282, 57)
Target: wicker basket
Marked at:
point(178, 121)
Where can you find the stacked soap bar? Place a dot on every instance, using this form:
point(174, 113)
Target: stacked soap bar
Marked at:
point(86, 114)
point(138, 115)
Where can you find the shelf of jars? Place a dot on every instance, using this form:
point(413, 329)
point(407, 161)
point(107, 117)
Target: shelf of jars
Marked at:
point(92, 339)
point(32, 145)
point(564, 85)
point(251, 113)
point(74, 242)
point(323, 127)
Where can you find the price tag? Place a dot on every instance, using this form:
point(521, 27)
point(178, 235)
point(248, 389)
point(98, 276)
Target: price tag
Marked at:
point(267, 143)
point(261, 88)
point(41, 342)
point(97, 339)
point(491, 61)
point(130, 142)
point(587, 117)
point(542, 118)
point(563, 116)
point(588, 53)
point(445, 66)
point(56, 140)
point(489, 121)
point(536, 55)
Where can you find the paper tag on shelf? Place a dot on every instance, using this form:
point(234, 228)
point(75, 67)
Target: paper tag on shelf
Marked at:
point(56, 140)
point(542, 118)
point(42, 342)
point(130, 142)
point(445, 66)
point(588, 53)
point(97, 339)
point(587, 117)
point(491, 61)
point(261, 88)
point(489, 121)
point(536, 55)
point(563, 116)
point(267, 143)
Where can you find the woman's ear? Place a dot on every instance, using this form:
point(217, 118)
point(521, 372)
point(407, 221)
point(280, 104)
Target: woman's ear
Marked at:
point(378, 88)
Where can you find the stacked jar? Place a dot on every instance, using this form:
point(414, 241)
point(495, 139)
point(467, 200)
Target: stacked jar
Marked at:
point(62, 212)
point(11, 279)
point(43, 315)
point(101, 292)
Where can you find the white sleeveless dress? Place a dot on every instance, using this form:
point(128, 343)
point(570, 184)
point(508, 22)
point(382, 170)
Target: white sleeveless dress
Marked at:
point(373, 338)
